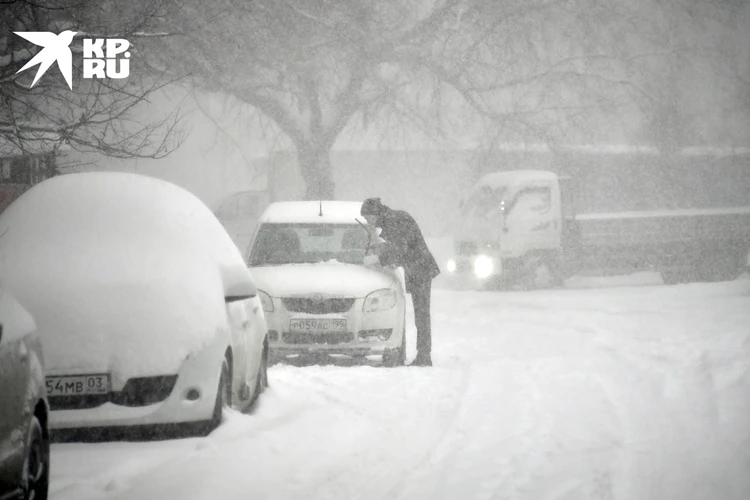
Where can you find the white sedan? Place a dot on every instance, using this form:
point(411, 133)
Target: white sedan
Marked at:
point(146, 310)
point(317, 295)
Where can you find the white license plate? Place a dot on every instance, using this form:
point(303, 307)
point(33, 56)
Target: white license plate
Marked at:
point(77, 385)
point(317, 325)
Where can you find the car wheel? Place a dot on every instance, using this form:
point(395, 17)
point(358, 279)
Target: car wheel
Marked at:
point(261, 381)
point(36, 465)
point(223, 396)
point(396, 357)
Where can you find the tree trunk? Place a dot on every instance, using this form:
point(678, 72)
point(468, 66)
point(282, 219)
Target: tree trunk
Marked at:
point(315, 167)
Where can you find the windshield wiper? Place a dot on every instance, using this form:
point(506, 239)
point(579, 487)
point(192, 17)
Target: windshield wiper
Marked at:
point(369, 236)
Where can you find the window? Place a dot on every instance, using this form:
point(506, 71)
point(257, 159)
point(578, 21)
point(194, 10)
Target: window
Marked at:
point(535, 199)
point(540, 199)
point(20, 170)
point(279, 244)
point(27, 170)
point(483, 201)
point(4, 170)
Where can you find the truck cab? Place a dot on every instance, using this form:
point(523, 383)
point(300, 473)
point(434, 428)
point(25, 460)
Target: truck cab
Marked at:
point(510, 223)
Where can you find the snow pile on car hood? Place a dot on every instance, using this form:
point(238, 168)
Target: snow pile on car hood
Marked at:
point(329, 278)
point(120, 271)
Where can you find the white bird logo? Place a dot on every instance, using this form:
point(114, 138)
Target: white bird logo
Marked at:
point(56, 48)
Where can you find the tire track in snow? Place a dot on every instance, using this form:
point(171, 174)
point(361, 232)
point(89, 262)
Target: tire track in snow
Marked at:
point(536, 430)
point(440, 464)
point(405, 459)
point(609, 476)
point(446, 429)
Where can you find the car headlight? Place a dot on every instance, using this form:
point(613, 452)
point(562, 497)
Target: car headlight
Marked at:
point(451, 266)
point(265, 299)
point(483, 266)
point(380, 300)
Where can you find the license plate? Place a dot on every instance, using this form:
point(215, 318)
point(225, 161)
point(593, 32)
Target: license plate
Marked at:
point(77, 385)
point(317, 325)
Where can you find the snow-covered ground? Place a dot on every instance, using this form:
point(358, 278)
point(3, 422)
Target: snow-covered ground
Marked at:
point(636, 392)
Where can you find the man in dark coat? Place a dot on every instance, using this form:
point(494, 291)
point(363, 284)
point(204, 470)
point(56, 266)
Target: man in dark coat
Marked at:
point(405, 247)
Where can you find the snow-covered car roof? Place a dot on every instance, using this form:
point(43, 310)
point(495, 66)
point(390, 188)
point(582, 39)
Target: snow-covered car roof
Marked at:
point(113, 262)
point(308, 212)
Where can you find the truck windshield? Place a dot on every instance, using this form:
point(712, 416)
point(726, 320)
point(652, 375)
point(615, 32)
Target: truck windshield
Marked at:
point(484, 201)
point(279, 244)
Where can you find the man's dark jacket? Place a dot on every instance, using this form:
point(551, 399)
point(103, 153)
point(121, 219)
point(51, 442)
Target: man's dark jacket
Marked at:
point(406, 247)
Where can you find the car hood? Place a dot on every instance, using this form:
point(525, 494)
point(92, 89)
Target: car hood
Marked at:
point(328, 278)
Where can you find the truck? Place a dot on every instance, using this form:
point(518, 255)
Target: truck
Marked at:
point(522, 228)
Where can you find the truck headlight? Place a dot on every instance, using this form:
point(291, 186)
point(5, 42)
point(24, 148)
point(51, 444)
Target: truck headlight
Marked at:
point(266, 301)
point(380, 300)
point(451, 266)
point(483, 266)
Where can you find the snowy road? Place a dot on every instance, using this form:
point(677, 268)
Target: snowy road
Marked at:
point(625, 393)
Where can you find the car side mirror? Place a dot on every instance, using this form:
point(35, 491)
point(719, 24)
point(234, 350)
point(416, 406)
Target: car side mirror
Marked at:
point(238, 284)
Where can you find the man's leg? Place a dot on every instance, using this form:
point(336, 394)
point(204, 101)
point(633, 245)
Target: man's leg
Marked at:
point(421, 299)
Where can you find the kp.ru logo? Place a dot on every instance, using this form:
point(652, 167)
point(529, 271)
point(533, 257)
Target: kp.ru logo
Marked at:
point(100, 55)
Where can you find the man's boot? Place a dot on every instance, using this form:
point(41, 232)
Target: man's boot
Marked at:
point(422, 360)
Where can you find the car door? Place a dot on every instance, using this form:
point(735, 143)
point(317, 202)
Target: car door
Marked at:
point(15, 382)
point(248, 326)
point(537, 218)
point(238, 322)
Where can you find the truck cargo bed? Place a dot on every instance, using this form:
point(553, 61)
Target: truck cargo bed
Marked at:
point(715, 242)
point(663, 227)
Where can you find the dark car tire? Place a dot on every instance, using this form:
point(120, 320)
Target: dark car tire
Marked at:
point(261, 381)
point(36, 464)
point(396, 357)
point(223, 397)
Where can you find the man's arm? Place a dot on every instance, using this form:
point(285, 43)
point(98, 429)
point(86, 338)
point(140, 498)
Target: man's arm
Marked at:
point(399, 240)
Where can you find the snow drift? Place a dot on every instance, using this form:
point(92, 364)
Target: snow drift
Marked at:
point(120, 271)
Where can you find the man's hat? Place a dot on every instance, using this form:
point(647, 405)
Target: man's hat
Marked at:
point(371, 206)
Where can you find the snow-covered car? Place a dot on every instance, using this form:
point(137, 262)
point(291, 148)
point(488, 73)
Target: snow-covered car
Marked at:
point(318, 296)
point(147, 312)
point(24, 411)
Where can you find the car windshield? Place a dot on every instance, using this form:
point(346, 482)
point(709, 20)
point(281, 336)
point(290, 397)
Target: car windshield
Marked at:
point(484, 200)
point(278, 244)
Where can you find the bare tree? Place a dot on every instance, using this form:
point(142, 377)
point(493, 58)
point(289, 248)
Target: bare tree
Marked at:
point(689, 84)
point(97, 114)
point(533, 69)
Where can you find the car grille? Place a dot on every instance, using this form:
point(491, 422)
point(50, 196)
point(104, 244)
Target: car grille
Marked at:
point(141, 391)
point(317, 337)
point(464, 267)
point(324, 306)
point(78, 402)
point(466, 248)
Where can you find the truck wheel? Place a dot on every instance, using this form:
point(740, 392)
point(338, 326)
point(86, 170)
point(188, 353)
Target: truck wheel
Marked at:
point(721, 266)
point(542, 275)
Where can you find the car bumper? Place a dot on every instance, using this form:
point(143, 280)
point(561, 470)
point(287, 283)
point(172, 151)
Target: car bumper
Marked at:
point(359, 340)
point(200, 371)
